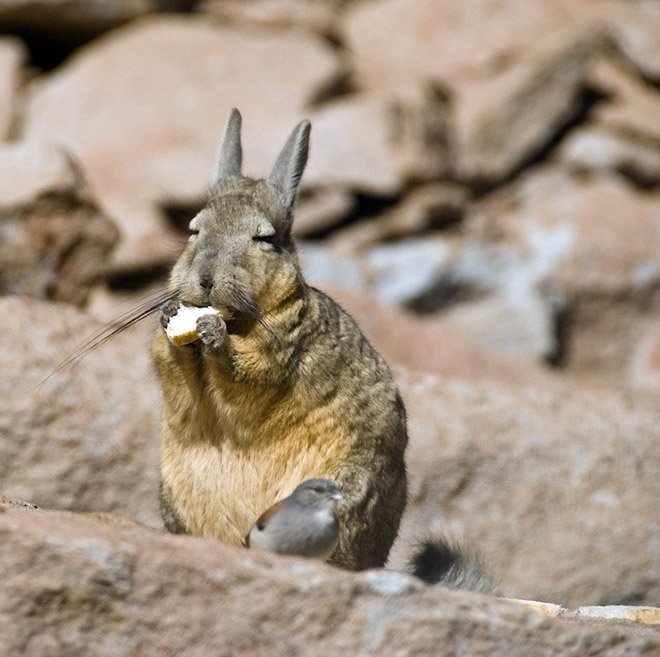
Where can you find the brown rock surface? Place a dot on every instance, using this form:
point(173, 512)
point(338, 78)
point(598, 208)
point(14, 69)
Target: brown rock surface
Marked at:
point(12, 58)
point(515, 70)
point(594, 238)
point(54, 241)
point(644, 368)
point(557, 489)
point(430, 346)
point(86, 437)
point(595, 147)
point(316, 15)
point(552, 486)
point(94, 585)
point(461, 39)
point(376, 144)
point(74, 20)
point(424, 208)
point(144, 107)
point(507, 119)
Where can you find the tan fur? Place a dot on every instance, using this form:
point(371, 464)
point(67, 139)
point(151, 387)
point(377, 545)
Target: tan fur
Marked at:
point(248, 420)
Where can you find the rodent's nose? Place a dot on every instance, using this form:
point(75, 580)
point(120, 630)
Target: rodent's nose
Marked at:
point(206, 282)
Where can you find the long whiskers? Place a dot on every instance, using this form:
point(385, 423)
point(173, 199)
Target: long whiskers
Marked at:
point(146, 307)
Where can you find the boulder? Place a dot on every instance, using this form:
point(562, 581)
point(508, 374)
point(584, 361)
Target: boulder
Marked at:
point(54, 239)
point(447, 43)
point(143, 108)
point(423, 209)
point(514, 72)
point(95, 585)
point(435, 346)
point(315, 15)
point(551, 484)
point(375, 144)
point(636, 28)
point(622, 133)
point(644, 368)
point(591, 240)
point(555, 488)
point(77, 430)
point(12, 59)
point(596, 147)
point(508, 119)
point(73, 21)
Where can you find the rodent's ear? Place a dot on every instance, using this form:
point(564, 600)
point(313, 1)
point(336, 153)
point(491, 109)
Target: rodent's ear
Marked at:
point(288, 169)
point(230, 154)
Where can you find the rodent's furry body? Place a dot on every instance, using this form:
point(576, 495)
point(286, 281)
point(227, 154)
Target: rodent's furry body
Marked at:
point(233, 447)
point(286, 391)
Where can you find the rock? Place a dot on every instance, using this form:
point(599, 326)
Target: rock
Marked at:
point(81, 436)
point(434, 346)
point(644, 368)
point(321, 209)
point(515, 321)
point(12, 59)
point(632, 107)
point(598, 148)
point(514, 72)
point(622, 133)
point(636, 27)
point(73, 21)
point(11, 503)
point(592, 241)
point(88, 585)
point(425, 208)
point(395, 272)
point(556, 488)
point(376, 144)
point(609, 243)
point(459, 40)
point(529, 474)
point(144, 107)
point(314, 15)
point(54, 240)
point(504, 121)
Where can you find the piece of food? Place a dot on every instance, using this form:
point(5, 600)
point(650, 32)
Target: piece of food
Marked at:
point(182, 327)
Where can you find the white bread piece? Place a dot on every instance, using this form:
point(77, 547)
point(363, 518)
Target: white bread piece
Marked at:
point(182, 327)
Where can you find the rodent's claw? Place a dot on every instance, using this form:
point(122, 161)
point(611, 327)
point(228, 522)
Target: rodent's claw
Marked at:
point(168, 310)
point(212, 331)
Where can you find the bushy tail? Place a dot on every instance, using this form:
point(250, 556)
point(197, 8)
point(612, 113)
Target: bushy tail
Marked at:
point(440, 561)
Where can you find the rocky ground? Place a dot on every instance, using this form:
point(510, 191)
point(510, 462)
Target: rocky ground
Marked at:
point(483, 194)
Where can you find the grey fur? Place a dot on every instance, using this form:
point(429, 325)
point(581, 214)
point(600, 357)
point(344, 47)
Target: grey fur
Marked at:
point(230, 154)
point(290, 164)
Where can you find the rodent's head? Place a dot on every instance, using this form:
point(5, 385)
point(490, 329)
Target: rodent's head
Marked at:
point(240, 253)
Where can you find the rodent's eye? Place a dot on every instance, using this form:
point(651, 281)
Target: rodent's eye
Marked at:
point(265, 234)
point(267, 239)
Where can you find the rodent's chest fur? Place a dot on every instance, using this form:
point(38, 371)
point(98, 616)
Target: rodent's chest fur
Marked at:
point(232, 448)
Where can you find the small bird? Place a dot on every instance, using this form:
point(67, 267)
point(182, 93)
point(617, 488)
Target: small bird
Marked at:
point(304, 524)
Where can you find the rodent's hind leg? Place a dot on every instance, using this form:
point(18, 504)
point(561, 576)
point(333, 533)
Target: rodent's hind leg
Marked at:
point(171, 520)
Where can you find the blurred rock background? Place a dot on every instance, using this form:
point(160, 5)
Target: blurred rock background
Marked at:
point(483, 194)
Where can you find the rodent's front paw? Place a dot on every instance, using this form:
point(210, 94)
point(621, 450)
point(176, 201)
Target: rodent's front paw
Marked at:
point(168, 310)
point(212, 331)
